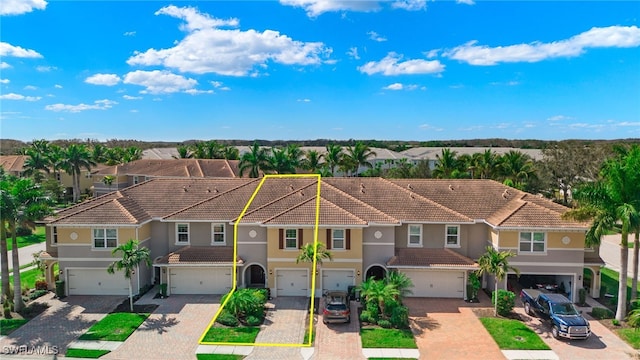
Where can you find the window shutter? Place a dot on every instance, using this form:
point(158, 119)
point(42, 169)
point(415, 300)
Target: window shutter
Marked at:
point(328, 239)
point(281, 239)
point(300, 239)
point(348, 239)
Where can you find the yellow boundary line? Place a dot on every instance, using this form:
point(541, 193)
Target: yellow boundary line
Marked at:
point(235, 256)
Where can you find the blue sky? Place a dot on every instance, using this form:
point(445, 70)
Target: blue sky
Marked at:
point(308, 69)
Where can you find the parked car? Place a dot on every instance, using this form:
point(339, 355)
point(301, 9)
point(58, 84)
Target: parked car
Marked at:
point(336, 307)
point(566, 321)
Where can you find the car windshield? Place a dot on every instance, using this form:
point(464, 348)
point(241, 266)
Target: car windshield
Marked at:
point(337, 307)
point(564, 309)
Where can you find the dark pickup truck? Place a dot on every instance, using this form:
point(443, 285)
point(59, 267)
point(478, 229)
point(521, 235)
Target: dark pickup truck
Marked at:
point(566, 321)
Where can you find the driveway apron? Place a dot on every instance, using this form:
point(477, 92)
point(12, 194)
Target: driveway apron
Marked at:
point(448, 329)
point(64, 321)
point(339, 341)
point(285, 323)
point(172, 331)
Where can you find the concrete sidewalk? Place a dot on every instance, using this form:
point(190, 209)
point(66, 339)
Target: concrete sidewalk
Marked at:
point(25, 254)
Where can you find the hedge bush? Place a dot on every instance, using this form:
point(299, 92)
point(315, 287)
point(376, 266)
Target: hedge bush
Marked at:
point(383, 323)
point(400, 317)
point(601, 313)
point(506, 301)
point(227, 319)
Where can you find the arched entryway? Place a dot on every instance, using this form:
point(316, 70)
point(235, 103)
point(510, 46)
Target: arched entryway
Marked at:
point(254, 276)
point(377, 272)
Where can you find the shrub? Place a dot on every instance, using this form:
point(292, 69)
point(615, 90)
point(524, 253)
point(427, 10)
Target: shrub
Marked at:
point(615, 322)
point(390, 306)
point(506, 301)
point(582, 296)
point(253, 320)
point(41, 285)
point(227, 319)
point(23, 231)
point(373, 309)
point(603, 291)
point(366, 317)
point(36, 294)
point(383, 323)
point(601, 313)
point(400, 317)
point(634, 304)
point(6, 310)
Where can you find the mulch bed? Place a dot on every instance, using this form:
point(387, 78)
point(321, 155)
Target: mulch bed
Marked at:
point(489, 312)
point(125, 307)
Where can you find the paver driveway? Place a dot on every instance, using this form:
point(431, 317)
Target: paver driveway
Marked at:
point(448, 329)
point(339, 341)
point(172, 331)
point(64, 321)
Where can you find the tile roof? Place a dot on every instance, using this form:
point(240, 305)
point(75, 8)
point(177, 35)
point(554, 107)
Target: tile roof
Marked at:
point(200, 255)
point(433, 258)
point(13, 163)
point(176, 168)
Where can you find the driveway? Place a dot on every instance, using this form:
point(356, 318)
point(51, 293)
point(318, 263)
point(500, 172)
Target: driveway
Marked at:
point(448, 329)
point(64, 321)
point(172, 331)
point(339, 341)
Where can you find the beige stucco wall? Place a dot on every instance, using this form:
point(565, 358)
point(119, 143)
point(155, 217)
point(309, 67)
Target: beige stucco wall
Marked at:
point(144, 231)
point(84, 235)
point(273, 250)
point(510, 239)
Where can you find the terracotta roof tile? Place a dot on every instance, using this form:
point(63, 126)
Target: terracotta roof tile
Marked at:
point(434, 258)
point(13, 163)
point(304, 214)
point(200, 255)
point(176, 168)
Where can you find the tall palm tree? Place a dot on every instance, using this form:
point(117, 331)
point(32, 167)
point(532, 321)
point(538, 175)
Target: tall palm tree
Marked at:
point(256, 160)
point(76, 157)
point(230, 152)
point(401, 281)
point(497, 263)
point(295, 155)
point(6, 208)
point(378, 291)
point(280, 162)
point(183, 152)
point(308, 253)
point(99, 153)
point(446, 163)
point(132, 153)
point(312, 161)
point(132, 256)
point(358, 155)
point(517, 167)
point(487, 165)
point(333, 157)
point(35, 164)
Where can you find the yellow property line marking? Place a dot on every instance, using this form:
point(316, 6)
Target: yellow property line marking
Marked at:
point(235, 256)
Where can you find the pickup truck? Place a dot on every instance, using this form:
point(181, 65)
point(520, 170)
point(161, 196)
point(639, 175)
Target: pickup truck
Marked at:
point(566, 321)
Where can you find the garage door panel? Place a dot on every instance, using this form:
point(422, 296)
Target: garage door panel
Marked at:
point(214, 281)
point(337, 279)
point(447, 284)
point(96, 282)
point(292, 282)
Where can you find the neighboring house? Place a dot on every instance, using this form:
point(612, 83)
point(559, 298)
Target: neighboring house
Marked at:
point(429, 153)
point(138, 171)
point(432, 230)
point(13, 164)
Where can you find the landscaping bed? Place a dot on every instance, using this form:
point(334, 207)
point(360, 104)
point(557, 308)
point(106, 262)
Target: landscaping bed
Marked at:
point(225, 334)
point(387, 338)
point(625, 332)
point(31, 310)
point(512, 334)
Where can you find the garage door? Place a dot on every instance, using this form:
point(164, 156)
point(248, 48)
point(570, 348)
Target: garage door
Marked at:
point(200, 280)
point(337, 279)
point(292, 282)
point(447, 284)
point(97, 282)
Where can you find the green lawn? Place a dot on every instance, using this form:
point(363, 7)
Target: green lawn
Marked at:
point(87, 354)
point(7, 326)
point(115, 327)
point(28, 278)
point(631, 336)
point(218, 357)
point(245, 335)
point(387, 338)
point(513, 334)
point(37, 237)
point(610, 280)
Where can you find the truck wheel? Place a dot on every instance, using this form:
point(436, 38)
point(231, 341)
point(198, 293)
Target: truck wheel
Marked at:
point(527, 308)
point(555, 332)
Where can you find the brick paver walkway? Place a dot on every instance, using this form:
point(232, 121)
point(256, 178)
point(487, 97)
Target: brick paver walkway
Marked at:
point(285, 324)
point(64, 321)
point(339, 341)
point(172, 331)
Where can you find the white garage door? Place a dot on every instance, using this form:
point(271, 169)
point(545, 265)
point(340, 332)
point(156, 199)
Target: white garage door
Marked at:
point(292, 282)
point(337, 279)
point(200, 280)
point(97, 282)
point(430, 283)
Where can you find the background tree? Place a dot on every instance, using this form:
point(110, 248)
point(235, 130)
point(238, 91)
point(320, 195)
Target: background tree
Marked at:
point(517, 168)
point(132, 256)
point(76, 158)
point(230, 152)
point(256, 160)
point(446, 164)
point(36, 165)
point(312, 161)
point(496, 263)
point(358, 156)
point(183, 152)
point(333, 157)
point(280, 162)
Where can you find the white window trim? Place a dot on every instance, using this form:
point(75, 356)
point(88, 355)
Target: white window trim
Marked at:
point(409, 244)
point(213, 234)
point(54, 235)
point(105, 248)
point(446, 236)
point(136, 180)
point(284, 245)
point(188, 234)
point(531, 252)
point(344, 240)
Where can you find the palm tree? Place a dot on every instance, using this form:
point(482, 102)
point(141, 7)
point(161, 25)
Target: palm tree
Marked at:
point(75, 158)
point(333, 157)
point(517, 168)
point(132, 256)
point(183, 152)
point(358, 155)
point(497, 263)
point(230, 152)
point(446, 163)
point(280, 162)
point(312, 161)
point(131, 153)
point(255, 160)
point(99, 153)
point(487, 165)
point(35, 164)
point(307, 254)
point(295, 155)
point(401, 282)
point(6, 208)
point(378, 291)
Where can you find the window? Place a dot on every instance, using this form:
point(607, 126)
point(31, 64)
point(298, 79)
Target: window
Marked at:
point(135, 180)
point(337, 239)
point(217, 234)
point(147, 178)
point(415, 235)
point(54, 235)
point(87, 175)
point(105, 238)
point(182, 233)
point(533, 242)
point(291, 239)
point(453, 236)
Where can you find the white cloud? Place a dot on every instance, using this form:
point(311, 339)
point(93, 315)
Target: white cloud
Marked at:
point(43, 68)
point(508, 83)
point(97, 105)
point(14, 96)
point(57, 86)
point(559, 118)
point(17, 7)
point(7, 49)
point(391, 65)
point(208, 49)
point(30, 87)
point(129, 97)
point(133, 110)
point(353, 53)
point(4, 81)
point(4, 65)
point(318, 7)
point(466, 2)
point(219, 85)
point(410, 5)
point(129, 33)
point(628, 123)
point(613, 36)
point(103, 79)
point(376, 37)
point(394, 86)
point(159, 82)
point(432, 53)
point(304, 100)
point(430, 127)
point(196, 91)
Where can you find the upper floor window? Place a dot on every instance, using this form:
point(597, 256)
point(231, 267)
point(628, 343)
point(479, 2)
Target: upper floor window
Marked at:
point(182, 233)
point(453, 236)
point(136, 180)
point(533, 242)
point(54, 235)
point(87, 175)
point(105, 238)
point(337, 239)
point(415, 235)
point(217, 234)
point(291, 239)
